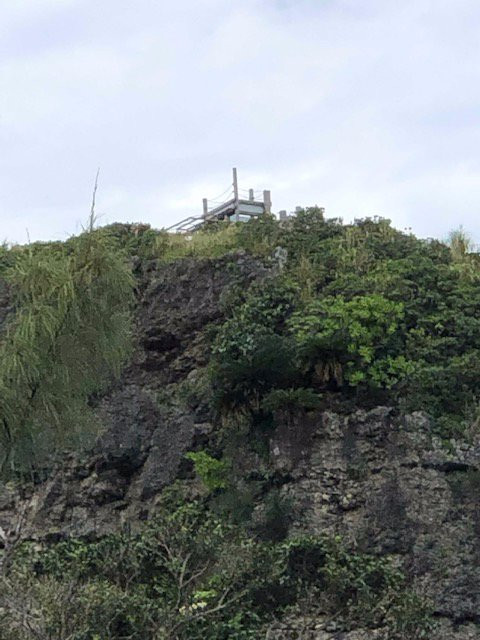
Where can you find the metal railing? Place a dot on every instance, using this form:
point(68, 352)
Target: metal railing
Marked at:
point(227, 203)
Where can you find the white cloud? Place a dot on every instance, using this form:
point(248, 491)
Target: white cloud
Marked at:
point(365, 108)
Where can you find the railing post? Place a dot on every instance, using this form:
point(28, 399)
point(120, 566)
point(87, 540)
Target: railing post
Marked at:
point(250, 195)
point(235, 194)
point(205, 207)
point(267, 202)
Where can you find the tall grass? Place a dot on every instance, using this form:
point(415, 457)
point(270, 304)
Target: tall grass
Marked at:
point(207, 243)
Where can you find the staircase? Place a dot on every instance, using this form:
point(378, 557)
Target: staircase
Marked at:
point(234, 208)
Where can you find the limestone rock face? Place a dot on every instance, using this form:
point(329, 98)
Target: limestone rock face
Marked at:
point(145, 434)
point(301, 629)
point(179, 302)
point(381, 481)
point(389, 487)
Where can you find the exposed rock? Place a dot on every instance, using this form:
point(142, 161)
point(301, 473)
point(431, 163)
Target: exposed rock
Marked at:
point(145, 437)
point(130, 417)
point(308, 629)
point(382, 482)
point(180, 300)
point(369, 477)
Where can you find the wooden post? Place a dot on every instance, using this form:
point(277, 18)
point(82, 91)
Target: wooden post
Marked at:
point(267, 202)
point(205, 207)
point(250, 195)
point(235, 194)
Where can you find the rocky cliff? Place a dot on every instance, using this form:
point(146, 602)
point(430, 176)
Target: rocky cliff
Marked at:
point(380, 480)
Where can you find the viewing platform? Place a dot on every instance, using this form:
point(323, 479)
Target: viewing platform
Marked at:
point(240, 206)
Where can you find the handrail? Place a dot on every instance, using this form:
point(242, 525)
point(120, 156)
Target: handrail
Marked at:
point(182, 223)
point(237, 198)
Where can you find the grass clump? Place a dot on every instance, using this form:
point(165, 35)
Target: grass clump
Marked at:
point(208, 243)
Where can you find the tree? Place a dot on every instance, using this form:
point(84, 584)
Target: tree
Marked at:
point(70, 333)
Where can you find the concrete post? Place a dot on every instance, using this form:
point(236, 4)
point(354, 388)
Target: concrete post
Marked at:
point(267, 201)
point(205, 207)
point(250, 195)
point(235, 195)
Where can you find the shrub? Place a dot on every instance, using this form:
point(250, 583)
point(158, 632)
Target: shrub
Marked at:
point(259, 236)
point(213, 472)
point(242, 382)
point(250, 355)
point(356, 341)
point(188, 575)
point(276, 517)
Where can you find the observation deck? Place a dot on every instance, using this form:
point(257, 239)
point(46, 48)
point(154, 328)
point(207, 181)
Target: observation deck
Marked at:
point(240, 206)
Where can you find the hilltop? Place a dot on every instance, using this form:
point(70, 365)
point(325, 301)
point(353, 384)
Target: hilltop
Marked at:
point(207, 437)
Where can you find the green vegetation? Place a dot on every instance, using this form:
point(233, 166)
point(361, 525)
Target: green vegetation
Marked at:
point(355, 340)
point(213, 472)
point(291, 400)
point(360, 314)
point(189, 575)
point(70, 334)
point(211, 243)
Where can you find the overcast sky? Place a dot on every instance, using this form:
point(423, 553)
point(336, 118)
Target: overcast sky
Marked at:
point(366, 108)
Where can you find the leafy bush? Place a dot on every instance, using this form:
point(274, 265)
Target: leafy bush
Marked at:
point(261, 313)
point(369, 309)
point(259, 236)
point(242, 382)
point(356, 341)
point(132, 239)
point(189, 575)
point(213, 472)
point(250, 356)
point(276, 517)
